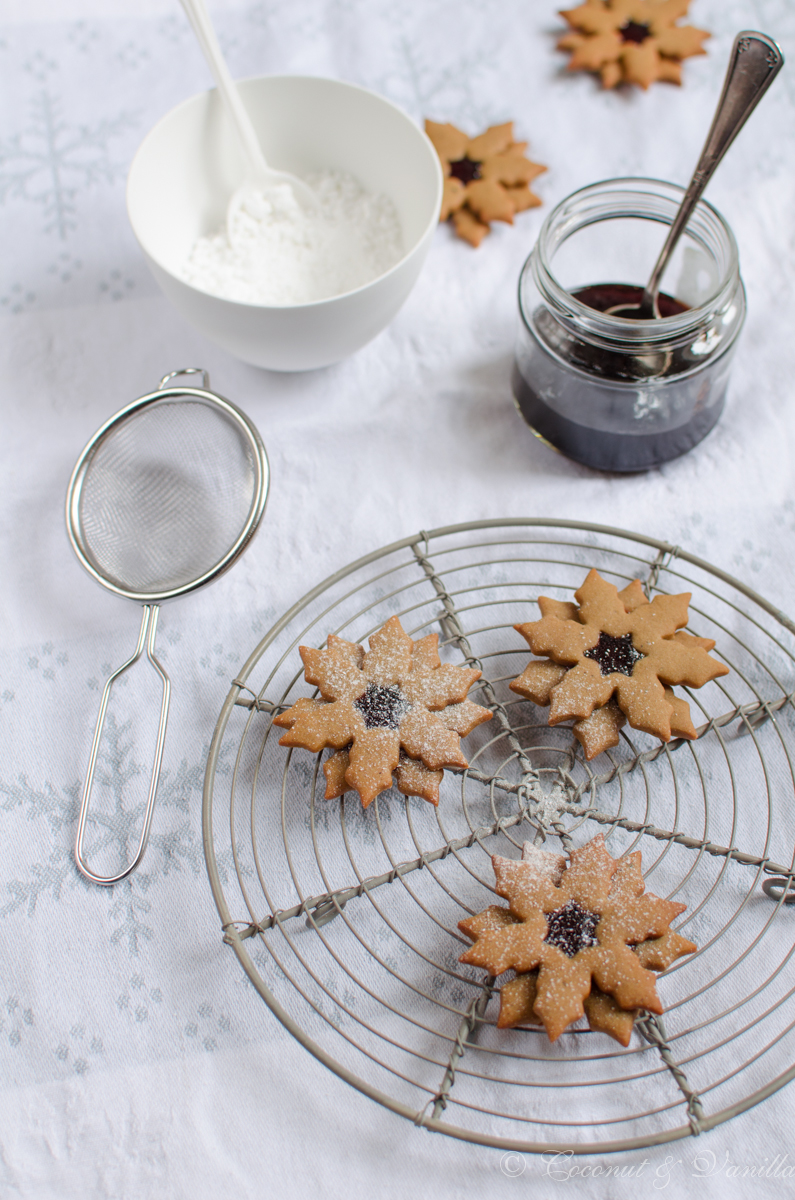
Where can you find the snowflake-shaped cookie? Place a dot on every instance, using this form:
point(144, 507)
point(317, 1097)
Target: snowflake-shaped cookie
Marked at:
point(631, 41)
point(582, 933)
point(393, 708)
point(615, 644)
point(486, 177)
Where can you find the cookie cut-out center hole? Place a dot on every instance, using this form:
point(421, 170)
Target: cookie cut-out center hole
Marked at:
point(615, 654)
point(382, 707)
point(572, 928)
point(465, 169)
point(635, 32)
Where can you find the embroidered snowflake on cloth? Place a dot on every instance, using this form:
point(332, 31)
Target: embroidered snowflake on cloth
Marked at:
point(579, 933)
point(615, 644)
point(393, 708)
point(631, 41)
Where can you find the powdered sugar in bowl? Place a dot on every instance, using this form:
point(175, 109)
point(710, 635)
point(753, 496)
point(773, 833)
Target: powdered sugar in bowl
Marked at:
point(273, 251)
point(376, 172)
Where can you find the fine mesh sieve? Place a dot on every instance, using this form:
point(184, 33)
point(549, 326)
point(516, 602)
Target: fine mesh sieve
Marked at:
point(164, 498)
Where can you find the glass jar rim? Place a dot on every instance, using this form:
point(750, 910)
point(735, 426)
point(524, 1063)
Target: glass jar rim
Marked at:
point(604, 325)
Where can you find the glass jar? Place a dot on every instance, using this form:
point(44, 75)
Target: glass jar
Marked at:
point(610, 391)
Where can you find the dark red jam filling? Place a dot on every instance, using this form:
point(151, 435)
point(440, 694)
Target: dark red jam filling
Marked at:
point(615, 654)
point(634, 31)
point(572, 928)
point(382, 707)
point(465, 169)
point(603, 296)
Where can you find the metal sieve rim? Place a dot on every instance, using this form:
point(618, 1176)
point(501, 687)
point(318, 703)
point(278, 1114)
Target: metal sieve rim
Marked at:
point(74, 525)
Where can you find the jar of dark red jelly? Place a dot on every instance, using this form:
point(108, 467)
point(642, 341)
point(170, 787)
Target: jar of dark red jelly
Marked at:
point(607, 389)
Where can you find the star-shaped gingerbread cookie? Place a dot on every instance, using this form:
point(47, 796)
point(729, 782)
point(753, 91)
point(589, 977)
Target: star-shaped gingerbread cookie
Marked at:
point(392, 708)
point(615, 656)
point(583, 935)
point(486, 178)
point(631, 41)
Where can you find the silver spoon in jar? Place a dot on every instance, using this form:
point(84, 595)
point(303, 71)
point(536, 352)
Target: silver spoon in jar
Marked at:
point(261, 177)
point(755, 61)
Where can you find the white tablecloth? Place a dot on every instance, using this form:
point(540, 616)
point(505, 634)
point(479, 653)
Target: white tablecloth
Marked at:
point(136, 1061)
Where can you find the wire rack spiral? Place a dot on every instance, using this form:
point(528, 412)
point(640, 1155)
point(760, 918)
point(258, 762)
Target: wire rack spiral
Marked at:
point(345, 919)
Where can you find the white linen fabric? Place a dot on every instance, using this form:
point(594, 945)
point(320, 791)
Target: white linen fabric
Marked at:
point(135, 1059)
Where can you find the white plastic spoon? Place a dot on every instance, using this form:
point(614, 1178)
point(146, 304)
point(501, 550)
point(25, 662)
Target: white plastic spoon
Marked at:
point(261, 178)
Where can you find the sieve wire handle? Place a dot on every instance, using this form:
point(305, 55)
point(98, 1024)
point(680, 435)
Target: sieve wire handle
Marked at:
point(166, 380)
point(146, 638)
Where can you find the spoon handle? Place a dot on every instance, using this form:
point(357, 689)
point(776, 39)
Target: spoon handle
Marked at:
point(205, 34)
point(755, 61)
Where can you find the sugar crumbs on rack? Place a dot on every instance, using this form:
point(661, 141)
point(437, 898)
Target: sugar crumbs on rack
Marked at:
point(277, 253)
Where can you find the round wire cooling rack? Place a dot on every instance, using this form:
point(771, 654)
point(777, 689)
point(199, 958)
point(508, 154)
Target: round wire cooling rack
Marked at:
point(345, 920)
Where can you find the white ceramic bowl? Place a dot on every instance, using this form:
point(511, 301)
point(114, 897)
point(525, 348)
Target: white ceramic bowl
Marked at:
point(186, 169)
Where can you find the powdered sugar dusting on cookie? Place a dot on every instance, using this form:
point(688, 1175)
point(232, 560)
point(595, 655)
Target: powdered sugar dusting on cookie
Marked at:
point(578, 935)
point(379, 696)
point(544, 862)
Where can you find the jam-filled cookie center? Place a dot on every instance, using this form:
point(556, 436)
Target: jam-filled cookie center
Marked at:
point(465, 169)
point(615, 654)
point(634, 31)
point(382, 707)
point(572, 928)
